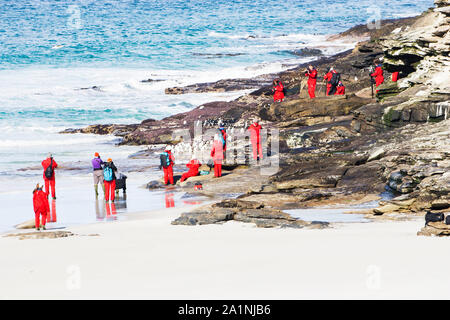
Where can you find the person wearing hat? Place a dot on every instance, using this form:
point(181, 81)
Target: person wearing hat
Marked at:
point(97, 164)
point(40, 206)
point(49, 166)
point(109, 177)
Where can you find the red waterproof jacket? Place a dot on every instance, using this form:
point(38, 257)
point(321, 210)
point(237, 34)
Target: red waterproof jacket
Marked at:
point(46, 163)
point(255, 132)
point(279, 94)
point(40, 202)
point(312, 76)
point(328, 76)
point(193, 166)
point(217, 151)
point(378, 74)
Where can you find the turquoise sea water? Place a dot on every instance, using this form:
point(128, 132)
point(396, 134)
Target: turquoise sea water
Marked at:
point(52, 54)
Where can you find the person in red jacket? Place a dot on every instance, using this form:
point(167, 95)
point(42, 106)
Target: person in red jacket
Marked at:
point(278, 90)
point(340, 89)
point(168, 171)
point(217, 155)
point(311, 73)
point(193, 166)
point(378, 74)
point(49, 181)
point(255, 137)
point(40, 206)
point(327, 78)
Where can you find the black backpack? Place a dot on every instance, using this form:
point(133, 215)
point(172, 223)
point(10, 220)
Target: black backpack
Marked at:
point(433, 217)
point(447, 219)
point(335, 78)
point(49, 170)
point(164, 160)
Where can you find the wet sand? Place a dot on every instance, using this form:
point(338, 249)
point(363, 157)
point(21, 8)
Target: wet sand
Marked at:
point(147, 257)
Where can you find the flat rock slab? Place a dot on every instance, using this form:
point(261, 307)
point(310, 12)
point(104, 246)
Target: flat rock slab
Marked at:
point(244, 211)
point(41, 235)
point(438, 229)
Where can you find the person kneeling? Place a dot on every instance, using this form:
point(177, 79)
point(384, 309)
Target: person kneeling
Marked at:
point(193, 166)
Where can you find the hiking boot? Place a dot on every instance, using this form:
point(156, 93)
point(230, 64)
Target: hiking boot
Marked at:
point(37, 229)
point(43, 228)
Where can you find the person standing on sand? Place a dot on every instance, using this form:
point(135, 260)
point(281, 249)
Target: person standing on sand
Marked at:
point(109, 176)
point(167, 162)
point(255, 137)
point(97, 164)
point(49, 166)
point(378, 73)
point(41, 207)
point(311, 73)
point(278, 91)
point(217, 155)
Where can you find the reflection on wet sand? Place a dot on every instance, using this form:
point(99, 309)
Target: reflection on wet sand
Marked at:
point(51, 217)
point(106, 210)
point(170, 202)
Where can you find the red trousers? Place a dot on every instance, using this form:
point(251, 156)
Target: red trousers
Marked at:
point(110, 188)
point(188, 174)
point(50, 183)
point(312, 89)
point(217, 168)
point(37, 215)
point(328, 88)
point(257, 150)
point(168, 175)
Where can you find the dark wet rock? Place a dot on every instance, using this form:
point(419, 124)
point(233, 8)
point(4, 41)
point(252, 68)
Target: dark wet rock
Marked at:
point(155, 184)
point(226, 85)
point(104, 129)
point(307, 52)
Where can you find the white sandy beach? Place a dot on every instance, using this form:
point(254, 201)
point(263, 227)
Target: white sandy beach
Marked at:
point(147, 257)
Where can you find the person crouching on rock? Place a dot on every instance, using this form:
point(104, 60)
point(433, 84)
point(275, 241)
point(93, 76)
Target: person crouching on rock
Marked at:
point(311, 73)
point(41, 207)
point(217, 156)
point(340, 89)
point(167, 162)
point(378, 73)
point(109, 177)
point(278, 91)
point(193, 166)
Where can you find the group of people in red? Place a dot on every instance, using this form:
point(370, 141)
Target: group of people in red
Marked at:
point(103, 173)
point(333, 81)
point(218, 152)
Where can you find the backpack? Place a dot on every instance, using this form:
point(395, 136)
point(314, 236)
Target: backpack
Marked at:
point(447, 219)
point(108, 173)
point(433, 217)
point(49, 170)
point(335, 78)
point(164, 159)
point(222, 138)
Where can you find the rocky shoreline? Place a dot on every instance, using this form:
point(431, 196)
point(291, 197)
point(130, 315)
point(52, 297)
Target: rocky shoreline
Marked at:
point(333, 149)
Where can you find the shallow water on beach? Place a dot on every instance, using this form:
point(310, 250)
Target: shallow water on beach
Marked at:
point(76, 203)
